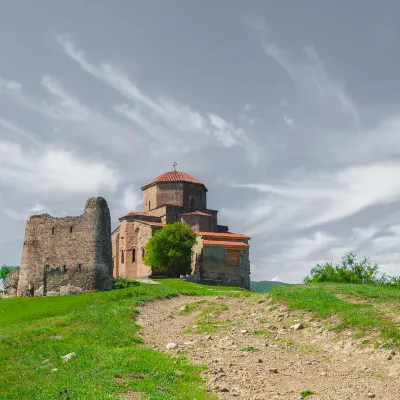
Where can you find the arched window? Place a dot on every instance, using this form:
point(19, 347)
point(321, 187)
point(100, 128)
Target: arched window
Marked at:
point(133, 256)
point(191, 204)
point(122, 256)
point(149, 205)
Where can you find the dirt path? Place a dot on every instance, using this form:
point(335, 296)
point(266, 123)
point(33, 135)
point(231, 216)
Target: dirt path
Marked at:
point(253, 353)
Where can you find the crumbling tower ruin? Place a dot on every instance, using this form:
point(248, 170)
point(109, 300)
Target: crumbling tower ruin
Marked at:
point(71, 250)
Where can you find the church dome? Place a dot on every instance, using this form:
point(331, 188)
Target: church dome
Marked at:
point(174, 176)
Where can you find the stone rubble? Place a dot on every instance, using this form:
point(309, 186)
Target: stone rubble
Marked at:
point(254, 358)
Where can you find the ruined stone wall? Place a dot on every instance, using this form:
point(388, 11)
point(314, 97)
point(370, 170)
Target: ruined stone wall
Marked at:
point(11, 283)
point(70, 250)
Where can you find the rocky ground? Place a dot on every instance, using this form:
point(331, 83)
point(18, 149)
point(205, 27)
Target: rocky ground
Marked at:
point(254, 351)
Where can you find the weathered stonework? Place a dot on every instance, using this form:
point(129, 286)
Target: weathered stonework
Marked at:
point(11, 283)
point(210, 266)
point(66, 251)
point(218, 257)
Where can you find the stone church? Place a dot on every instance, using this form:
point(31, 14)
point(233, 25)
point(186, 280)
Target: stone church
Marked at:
point(219, 256)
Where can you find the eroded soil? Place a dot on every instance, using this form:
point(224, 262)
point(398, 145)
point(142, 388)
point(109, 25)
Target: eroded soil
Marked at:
point(251, 351)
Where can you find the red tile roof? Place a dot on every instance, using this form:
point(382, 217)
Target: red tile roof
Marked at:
point(223, 235)
point(135, 214)
point(223, 243)
point(150, 223)
point(197, 213)
point(174, 176)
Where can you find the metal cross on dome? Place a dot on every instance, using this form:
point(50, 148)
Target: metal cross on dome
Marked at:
point(174, 165)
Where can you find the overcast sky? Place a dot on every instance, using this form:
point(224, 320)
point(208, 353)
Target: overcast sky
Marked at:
point(288, 111)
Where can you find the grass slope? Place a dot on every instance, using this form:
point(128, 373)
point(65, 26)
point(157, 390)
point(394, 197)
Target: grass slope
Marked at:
point(110, 359)
point(364, 309)
point(265, 286)
point(100, 329)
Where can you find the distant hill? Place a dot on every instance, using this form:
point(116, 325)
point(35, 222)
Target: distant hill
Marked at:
point(265, 286)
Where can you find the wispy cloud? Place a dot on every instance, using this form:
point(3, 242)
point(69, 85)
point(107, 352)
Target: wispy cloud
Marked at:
point(311, 76)
point(318, 198)
point(131, 198)
point(9, 129)
point(297, 255)
point(22, 215)
point(53, 169)
point(288, 120)
point(91, 125)
point(37, 208)
point(157, 116)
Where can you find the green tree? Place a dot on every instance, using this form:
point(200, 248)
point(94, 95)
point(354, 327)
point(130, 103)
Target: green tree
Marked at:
point(350, 271)
point(171, 248)
point(5, 270)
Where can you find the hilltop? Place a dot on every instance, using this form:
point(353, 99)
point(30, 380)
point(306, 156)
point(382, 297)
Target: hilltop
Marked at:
point(179, 340)
point(265, 286)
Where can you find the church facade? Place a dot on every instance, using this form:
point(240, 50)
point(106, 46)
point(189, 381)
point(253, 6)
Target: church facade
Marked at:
point(218, 257)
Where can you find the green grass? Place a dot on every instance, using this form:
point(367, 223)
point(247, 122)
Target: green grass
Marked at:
point(262, 332)
point(381, 293)
point(193, 289)
point(206, 322)
point(249, 349)
point(101, 330)
point(306, 393)
point(322, 301)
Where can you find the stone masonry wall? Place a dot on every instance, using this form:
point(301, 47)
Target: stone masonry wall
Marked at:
point(209, 263)
point(169, 193)
point(195, 197)
point(168, 213)
point(131, 235)
point(70, 250)
point(11, 283)
point(189, 195)
point(198, 223)
point(149, 195)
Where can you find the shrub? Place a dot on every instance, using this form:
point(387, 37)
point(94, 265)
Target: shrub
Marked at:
point(123, 283)
point(351, 271)
point(6, 269)
point(171, 248)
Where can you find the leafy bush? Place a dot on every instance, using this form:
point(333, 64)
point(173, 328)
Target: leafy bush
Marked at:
point(123, 283)
point(6, 269)
point(351, 271)
point(171, 248)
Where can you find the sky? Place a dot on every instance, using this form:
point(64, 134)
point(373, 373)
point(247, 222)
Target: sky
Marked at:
point(289, 113)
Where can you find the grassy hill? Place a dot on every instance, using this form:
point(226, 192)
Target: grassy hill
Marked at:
point(100, 329)
point(265, 286)
point(110, 358)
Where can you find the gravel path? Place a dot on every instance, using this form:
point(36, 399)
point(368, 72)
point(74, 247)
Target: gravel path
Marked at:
point(253, 353)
